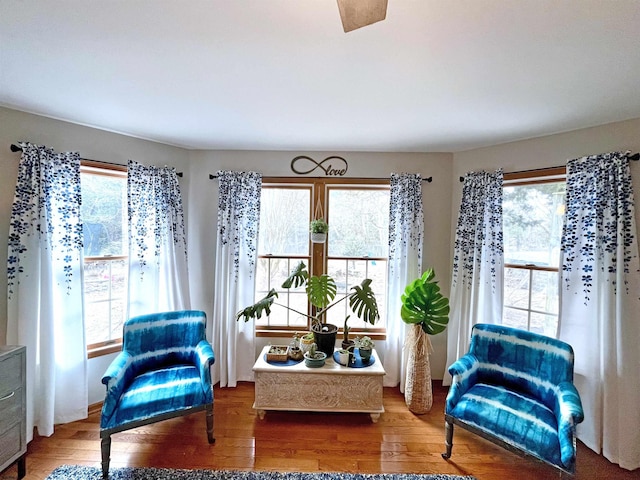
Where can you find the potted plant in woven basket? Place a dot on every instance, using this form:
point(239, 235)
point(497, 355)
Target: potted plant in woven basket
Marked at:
point(318, 229)
point(426, 311)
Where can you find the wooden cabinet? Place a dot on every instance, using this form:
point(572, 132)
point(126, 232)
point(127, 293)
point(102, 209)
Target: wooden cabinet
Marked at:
point(331, 388)
point(13, 425)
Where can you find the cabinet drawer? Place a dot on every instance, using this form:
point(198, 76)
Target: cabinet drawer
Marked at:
point(11, 443)
point(11, 409)
point(10, 374)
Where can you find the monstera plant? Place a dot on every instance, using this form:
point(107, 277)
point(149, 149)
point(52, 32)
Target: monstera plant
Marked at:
point(321, 293)
point(427, 311)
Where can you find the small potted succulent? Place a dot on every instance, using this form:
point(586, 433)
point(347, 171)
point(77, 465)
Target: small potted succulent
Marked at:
point(295, 352)
point(365, 347)
point(306, 341)
point(344, 357)
point(314, 358)
point(318, 229)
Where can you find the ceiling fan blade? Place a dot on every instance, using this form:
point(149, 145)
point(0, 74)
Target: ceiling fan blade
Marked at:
point(360, 13)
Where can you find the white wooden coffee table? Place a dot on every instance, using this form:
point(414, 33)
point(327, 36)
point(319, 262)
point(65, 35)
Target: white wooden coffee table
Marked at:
point(332, 388)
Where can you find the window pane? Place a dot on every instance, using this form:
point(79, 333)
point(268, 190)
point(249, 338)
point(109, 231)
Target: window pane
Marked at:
point(544, 324)
point(348, 273)
point(271, 272)
point(515, 318)
point(105, 298)
point(104, 202)
point(284, 221)
point(516, 287)
point(358, 222)
point(544, 292)
point(532, 223)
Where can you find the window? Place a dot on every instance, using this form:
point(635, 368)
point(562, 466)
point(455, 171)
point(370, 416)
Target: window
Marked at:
point(356, 248)
point(104, 217)
point(533, 210)
point(283, 242)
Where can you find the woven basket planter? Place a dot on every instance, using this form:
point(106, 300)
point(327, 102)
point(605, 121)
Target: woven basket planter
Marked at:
point(418, 394)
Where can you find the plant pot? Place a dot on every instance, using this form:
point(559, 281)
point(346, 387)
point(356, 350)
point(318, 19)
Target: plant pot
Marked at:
point(318, 237)
point(365, 355)
point(295, 353)
point(348, 345)
point(344, 357)
point(305, 343)
point(317, 361)
point(278, 353)
point(325, 337)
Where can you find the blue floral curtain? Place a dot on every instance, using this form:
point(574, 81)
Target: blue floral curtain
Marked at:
point(44, 286)
point(406, 231)
point(600, 301)
point(478, 262)
point(158, 272)
point(236, 254)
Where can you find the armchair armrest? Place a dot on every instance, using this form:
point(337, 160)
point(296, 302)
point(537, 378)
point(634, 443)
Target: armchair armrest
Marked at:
point(116, 378)
point(464, 373)
point(203, 359)
point(569, 413)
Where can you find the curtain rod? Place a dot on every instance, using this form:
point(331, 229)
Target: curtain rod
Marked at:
point(427, 179)
point(631, 156)
point(16, 148)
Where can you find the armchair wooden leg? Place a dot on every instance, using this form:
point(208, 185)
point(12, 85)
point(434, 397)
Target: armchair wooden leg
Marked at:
point(448, 439)
point(105, 446)
point(210, 424)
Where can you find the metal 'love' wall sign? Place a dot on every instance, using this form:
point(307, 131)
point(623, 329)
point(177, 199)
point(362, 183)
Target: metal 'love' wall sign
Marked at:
point(332, 166)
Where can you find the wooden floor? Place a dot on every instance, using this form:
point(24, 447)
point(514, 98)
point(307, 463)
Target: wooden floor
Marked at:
point(310, 442)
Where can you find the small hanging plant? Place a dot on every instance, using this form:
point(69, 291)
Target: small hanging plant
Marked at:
point(318, 229)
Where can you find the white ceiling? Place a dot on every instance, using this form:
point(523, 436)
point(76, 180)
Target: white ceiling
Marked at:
point(436, 75)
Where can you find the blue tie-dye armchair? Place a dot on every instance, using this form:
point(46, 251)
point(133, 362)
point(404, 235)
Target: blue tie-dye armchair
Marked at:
point(162, 372)
point(515, 388)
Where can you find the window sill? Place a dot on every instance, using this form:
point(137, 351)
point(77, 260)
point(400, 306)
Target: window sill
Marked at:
point(104, 350)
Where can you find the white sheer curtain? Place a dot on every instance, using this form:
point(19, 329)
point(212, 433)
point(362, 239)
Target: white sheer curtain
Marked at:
point(478, 263)
point(406, 229)
point(158, 275)
point(45, 286)
point(236, 253)
point(600, 303)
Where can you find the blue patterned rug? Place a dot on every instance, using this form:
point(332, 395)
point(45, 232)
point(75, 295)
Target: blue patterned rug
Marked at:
point(75, 472)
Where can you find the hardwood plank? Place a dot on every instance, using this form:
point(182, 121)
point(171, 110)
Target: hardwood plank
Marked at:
point(400, 442)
